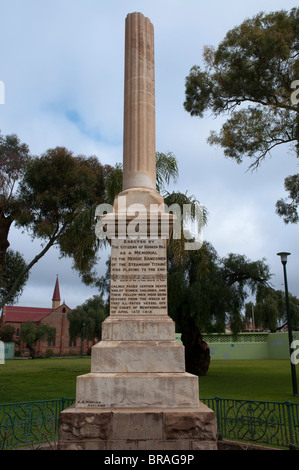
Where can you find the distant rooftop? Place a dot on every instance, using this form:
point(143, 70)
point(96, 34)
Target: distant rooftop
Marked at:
point(22, 314)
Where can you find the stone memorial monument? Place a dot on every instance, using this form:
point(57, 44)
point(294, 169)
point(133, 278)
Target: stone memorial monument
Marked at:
point(138, 394)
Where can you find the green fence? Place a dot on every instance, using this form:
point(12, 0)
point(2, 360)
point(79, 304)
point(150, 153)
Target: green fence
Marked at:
point(264, 423)
point(251, 346)
point(31, 423)
point(258, 422)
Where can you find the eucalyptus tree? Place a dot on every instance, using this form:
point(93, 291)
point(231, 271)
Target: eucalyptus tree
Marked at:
point(55, 203)
point(13, 157)
point(253, 77)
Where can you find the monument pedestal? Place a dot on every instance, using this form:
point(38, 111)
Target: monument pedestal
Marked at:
point(138, 429)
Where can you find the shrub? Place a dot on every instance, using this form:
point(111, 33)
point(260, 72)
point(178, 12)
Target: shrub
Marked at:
point(49, 353)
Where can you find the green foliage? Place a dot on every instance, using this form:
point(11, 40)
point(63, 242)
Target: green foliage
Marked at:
point(113, 181)
point(205, 292)
point(57, 187)
point(14, 266)
point(270, 310)
point(211, 291)
point(294, 311)
point(252, 69)
point(31, 333)
point(58, 194)
point(28, 333)
point(49, 353)
point(166, 170)
point(7, 333)
point(289, 210)
point(177, 245)
point(256, 62)
point(13, 158)
point(86, 319)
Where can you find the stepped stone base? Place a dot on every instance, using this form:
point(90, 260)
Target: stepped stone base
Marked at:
point(138, 328)
point(137, 429)
point(123, 390)
point(138, 356)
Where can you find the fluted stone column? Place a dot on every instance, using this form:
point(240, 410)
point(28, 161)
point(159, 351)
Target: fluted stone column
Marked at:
point(139, 154)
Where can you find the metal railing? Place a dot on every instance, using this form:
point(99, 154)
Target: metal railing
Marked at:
point(31, 423)
point(273, 424)
point(264, 423)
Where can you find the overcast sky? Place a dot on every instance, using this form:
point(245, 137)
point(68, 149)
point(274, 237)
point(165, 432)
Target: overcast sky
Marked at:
point(62, 64)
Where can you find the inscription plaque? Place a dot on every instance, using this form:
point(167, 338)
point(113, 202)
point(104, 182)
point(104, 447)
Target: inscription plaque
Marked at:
point(138, 284)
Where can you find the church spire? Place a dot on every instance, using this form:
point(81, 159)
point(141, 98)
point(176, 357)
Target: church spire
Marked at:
point(56, 295)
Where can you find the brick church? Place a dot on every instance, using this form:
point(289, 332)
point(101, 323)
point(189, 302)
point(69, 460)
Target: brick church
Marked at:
point(55, 317)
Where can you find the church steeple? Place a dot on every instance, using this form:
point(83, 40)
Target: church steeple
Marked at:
point(56, 295)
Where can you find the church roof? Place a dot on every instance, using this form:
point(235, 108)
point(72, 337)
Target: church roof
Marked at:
point(23, 314)
point(13, 314)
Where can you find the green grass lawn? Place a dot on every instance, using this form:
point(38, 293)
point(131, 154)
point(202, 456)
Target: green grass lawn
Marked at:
point(263, 380)
point(40, 379)
point(46, 379)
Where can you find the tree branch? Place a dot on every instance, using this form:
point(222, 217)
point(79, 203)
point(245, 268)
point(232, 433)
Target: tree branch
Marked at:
point(18, 280)
point(258, 159)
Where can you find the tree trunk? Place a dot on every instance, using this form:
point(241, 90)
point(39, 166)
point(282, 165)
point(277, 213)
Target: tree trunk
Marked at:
point(32, 350)
point(197, 352)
